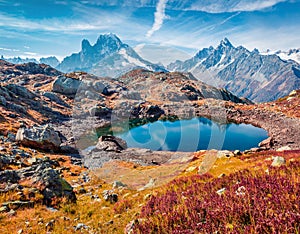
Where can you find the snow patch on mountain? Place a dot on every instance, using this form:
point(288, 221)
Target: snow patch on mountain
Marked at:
point(130, 59)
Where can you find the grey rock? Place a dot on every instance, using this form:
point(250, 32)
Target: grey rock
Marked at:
point(20, 91)
point(40, 137)
point(111, 143)
point(267, 143)
point(119, 184)
point(80, 226)
point(17, 108)
point(278, 161)
point(225, 154)
point(55, 98)
point(237, 152)
point(37, 84)
point(65, 85)
point(3, 101)
point(99, 86)
point(110, 196)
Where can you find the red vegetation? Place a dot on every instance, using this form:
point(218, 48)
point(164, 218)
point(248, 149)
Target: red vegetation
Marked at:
point(243, 202)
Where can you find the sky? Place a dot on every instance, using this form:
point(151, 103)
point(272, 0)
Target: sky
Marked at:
point(35, 28)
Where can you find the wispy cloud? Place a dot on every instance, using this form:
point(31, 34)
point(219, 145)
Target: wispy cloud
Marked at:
point(9, 49)
point(53, 25)
point(218, 6)
point(256, 5)
point(30, 53)
point(159, 17)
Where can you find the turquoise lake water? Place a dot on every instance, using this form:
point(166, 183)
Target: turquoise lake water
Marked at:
point(192, 135)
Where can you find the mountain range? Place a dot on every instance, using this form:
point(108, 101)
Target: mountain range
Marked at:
point(245, 73)
point(260, 77)
point(51, 61)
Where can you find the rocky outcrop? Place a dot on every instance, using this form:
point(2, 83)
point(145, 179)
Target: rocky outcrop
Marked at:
point(39, 137)
point(111, 143)
point(55, 98)
point(65, 85)
point(170, 86)
point(147, 111)
point(43, 177)
point(20, 91)
point(267, 143)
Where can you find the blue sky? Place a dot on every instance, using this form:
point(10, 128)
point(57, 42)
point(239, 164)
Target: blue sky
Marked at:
point(35, 28)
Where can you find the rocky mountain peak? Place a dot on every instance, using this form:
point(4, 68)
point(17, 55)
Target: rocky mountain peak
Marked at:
point(225, 43)
point(85, 44)
point(204, 53)
point(108, 41)
point(109, 56)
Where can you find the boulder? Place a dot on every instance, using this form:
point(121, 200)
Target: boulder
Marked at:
point(267, 143)
point(47, 180)
point(39, 137)
point(225, 154)
point(111, 143)
point(278, 161)
point(65, 85)
point(52, 185)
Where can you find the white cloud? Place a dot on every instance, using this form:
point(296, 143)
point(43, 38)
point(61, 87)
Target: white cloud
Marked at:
point(217, 6)
point(8, 49)
point(30, 53)
point(255, 5)
point(159, 17)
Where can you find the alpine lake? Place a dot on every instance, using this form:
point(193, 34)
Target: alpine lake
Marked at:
point(188, 135)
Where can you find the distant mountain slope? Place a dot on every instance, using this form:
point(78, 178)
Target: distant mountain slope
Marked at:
point(109, 56)
point(292, 54)
point(51, 61)
point(247, 74)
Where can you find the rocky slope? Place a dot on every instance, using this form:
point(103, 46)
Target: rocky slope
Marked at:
point(109, 56)
point(245, 73)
